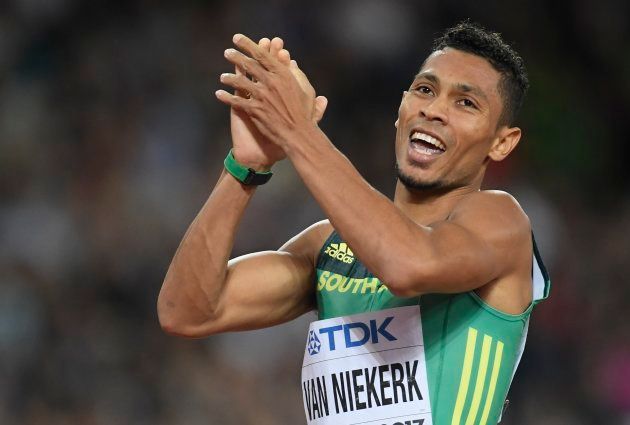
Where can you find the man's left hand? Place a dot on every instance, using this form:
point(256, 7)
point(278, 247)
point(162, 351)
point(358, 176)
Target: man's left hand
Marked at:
point(281, 101)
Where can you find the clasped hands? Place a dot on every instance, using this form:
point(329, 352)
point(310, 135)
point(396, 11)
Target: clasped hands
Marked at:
point(272, 93)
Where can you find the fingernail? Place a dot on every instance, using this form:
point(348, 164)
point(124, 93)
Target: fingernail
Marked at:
point(228, 52)
point(223, 76)
point(237, 37)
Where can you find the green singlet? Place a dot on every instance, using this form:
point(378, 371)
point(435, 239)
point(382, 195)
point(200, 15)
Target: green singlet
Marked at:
point(472, 350)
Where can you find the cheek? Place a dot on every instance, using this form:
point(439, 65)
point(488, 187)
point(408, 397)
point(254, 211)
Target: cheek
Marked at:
point(473, 150)
point(410, 104)
point(476, 134)
point(403, 111)
point(403, 108)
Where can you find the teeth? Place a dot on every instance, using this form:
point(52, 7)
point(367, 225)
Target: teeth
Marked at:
point(416, 135)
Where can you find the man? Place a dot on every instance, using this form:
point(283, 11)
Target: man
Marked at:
point(465, 256)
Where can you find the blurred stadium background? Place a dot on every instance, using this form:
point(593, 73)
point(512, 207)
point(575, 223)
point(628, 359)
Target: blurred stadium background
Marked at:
point(111, 139)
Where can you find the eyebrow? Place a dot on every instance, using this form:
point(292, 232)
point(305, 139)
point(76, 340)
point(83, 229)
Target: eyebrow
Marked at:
point(467, 88)
point(463, 87)
point(431, 77)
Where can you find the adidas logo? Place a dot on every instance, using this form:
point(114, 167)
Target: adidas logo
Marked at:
point(340, 252)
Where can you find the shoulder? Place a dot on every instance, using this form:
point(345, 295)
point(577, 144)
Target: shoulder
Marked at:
point(494, 198)
point(492, 207)
point(308, 242)
point(317, 233)
point(495, 217)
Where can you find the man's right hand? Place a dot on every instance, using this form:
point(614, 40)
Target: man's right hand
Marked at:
point(250, 147)
point(203, 291)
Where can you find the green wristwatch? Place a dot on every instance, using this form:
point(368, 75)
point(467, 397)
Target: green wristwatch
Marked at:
point(245, 175)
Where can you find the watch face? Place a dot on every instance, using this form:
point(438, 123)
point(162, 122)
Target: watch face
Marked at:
point(250, 177)
point(254, 178)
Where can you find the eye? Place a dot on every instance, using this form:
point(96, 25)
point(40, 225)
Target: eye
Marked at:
point(467, 103)
point(424, 89)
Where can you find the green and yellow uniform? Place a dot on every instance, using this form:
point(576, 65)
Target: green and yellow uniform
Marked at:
point(472, 350)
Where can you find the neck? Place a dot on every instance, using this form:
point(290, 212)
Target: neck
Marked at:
point(428, 206)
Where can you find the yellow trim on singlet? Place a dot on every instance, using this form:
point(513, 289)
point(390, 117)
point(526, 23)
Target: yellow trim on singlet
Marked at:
point(481, 380)
point(465, 379)
point(496, 367)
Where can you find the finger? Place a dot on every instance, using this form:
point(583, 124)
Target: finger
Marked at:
point(235, 102)
point(301, 77)
point(295, 69)
point(240, 83)
point(284, 57)
point(247, 65)
point(276, 45)
point(264, 44)
point(239, 71)
point(255, 52)
point(321, 103)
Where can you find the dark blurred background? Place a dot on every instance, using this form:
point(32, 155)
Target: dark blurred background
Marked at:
point(111, 140)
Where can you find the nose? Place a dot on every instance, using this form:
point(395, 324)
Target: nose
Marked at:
point(435, 109)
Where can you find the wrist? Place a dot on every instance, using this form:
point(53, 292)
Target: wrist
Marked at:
point(302, 139)
point(261, 166)
point(243, 173)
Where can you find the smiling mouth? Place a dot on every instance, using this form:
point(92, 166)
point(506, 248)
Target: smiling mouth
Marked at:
point(425, 144)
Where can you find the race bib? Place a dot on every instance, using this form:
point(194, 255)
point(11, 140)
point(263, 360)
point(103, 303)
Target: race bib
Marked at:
point(366, 369)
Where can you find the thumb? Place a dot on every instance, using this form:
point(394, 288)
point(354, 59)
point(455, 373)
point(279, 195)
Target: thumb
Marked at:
point(321, 102)
point(299, 75)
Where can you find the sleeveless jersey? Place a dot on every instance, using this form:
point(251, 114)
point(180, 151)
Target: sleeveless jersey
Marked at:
point(472, 350)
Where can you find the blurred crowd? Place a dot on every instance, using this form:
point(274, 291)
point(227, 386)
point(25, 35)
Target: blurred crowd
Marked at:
point(111, 140)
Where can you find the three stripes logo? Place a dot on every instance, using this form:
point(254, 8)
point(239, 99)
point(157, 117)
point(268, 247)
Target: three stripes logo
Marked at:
point(341, 252)
point(487, 365)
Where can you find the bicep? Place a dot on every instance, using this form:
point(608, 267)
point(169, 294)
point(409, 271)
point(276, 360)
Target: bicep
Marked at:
point(265, 289)
point(482, 242)
point(461, 260)
point(271, 287)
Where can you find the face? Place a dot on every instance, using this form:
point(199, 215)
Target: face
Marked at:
point(447, 121)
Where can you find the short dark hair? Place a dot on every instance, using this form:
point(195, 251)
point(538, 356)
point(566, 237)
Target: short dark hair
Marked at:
point(473, 38)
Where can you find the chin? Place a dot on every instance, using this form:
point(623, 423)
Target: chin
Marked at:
point(417, 184)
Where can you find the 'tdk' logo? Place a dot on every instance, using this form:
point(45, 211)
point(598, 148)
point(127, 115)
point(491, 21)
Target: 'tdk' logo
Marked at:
point(363, 332)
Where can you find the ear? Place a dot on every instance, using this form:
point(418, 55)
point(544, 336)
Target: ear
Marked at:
point(506, 141)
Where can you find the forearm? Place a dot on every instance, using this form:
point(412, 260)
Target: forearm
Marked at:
point(196, 275)
point(353, 205)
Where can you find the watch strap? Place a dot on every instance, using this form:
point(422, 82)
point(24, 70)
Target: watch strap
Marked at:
point(245, 175)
